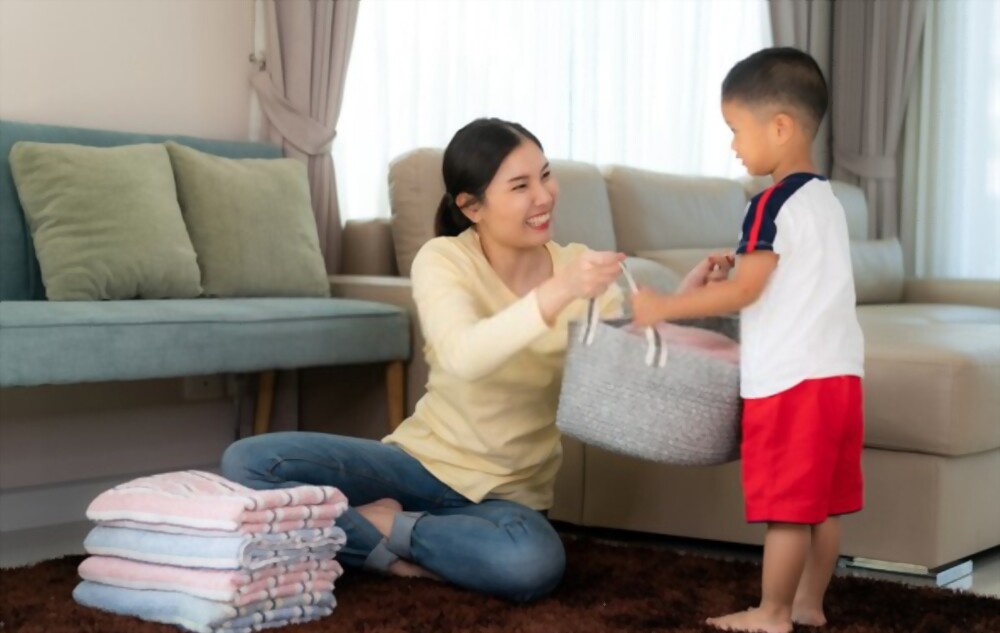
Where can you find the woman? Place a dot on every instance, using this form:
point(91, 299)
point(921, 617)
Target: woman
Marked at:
point(457, 492)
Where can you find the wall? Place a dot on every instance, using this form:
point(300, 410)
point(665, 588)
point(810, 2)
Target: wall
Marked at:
point(157, 66)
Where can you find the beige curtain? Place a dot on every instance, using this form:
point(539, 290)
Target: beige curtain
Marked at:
point(807, 26)
point(301, 90)
point(876, 47)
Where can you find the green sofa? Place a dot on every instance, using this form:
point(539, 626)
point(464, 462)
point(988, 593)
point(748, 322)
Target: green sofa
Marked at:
point(47, 342)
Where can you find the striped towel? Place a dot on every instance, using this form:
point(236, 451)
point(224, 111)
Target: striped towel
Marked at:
point(202, 500)
point(239, 588)
point(240, 551)
point(200, 615)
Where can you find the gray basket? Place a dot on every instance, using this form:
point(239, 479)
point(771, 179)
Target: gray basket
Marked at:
point(636, 397)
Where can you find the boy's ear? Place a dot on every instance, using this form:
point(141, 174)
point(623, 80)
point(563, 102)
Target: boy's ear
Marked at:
point(784, 125)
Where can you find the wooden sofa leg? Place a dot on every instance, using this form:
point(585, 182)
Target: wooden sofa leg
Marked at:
point(395, 382)
point(265, 400)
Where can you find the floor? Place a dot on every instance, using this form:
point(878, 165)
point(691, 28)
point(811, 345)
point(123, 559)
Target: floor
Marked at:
point(29, 546)
point(984, 580)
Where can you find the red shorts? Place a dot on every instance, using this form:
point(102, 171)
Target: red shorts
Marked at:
point(802, 452)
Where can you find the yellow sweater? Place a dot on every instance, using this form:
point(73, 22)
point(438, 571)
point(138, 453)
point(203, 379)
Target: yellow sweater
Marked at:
point(486, 426)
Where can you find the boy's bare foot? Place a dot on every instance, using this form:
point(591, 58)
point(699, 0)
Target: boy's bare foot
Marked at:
point(752, 620)
point(807, 616)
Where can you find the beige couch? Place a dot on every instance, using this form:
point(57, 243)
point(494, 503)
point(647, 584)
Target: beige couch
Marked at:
point(932, 457)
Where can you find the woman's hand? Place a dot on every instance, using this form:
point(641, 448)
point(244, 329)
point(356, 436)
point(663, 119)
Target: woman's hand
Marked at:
point(586, 277)
point(712, 269)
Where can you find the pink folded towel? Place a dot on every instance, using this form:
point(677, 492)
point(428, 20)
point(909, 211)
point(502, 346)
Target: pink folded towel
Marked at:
point(201, 500)
point(709, 342)
point(235, 587)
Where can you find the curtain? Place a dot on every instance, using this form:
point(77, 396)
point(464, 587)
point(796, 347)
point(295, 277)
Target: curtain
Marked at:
point(951, 174)
point(634, 83)
point(807, 26)
point(301, 89)
point(876, 46)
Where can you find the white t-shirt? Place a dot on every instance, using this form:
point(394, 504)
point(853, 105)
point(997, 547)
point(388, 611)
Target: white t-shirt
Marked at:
point(804, 324)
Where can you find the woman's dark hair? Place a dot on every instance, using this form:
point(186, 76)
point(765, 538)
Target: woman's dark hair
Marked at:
point(471, 160)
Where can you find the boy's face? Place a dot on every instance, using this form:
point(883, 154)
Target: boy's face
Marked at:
point(753, 138)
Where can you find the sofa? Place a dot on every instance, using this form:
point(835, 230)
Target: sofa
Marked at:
point(932, 389)
point(60, 342)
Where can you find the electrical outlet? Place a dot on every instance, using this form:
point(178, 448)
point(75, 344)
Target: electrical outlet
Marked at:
point(211, 387)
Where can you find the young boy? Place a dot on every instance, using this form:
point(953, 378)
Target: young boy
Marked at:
point(802, 350)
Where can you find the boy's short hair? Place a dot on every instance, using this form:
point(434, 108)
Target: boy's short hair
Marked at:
point(780, 76)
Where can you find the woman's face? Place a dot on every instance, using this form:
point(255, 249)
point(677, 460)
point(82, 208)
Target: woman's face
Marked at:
point(516, 209)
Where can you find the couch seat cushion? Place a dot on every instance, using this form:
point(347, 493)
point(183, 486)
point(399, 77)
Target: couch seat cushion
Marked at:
point(49, 343)
point(932, 376)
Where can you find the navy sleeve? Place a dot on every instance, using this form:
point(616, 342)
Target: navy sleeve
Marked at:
point(760, 224)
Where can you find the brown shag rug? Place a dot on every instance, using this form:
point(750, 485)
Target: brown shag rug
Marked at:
point(607, 589)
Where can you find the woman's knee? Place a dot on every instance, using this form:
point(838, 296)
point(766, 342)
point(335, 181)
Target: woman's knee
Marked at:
point(533, 568)
point(244, 459)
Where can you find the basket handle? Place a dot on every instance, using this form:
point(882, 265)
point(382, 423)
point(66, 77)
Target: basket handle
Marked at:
point(656, 352)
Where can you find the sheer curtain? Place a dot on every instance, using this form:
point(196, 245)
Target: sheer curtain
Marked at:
point(951, 178)
point(633, 83)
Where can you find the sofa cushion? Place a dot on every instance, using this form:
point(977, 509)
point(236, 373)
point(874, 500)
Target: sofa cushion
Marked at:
point(51, 343)
point(251, 223)
point(105, 221)
point(878, 271)
point(931, 378)
point(654, 211)
point(582, 213)
point(680, 260)
point(20, 277)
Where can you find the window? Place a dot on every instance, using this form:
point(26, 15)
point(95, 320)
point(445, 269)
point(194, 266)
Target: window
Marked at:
point(951, 182)
point(603, 81)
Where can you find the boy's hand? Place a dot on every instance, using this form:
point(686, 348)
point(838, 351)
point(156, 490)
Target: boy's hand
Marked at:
point(720, 265)
point(713, 268)
point(648, 307)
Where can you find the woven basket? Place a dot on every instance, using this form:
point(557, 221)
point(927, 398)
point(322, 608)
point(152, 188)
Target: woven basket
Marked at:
point(636, 397)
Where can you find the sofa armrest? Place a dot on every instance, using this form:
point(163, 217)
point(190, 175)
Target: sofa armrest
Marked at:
point(368, 248)
point(972, 292)
point(396, 291)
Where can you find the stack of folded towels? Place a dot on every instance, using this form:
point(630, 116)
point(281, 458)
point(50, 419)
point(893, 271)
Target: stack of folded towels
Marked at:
point(198, 551)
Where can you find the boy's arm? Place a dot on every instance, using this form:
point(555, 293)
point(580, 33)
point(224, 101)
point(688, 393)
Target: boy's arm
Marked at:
point(719, 298)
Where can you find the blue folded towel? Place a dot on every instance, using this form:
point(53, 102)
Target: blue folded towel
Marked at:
point(197, 614)
point(243, 551)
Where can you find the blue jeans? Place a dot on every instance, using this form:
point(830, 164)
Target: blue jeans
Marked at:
point(495, 547)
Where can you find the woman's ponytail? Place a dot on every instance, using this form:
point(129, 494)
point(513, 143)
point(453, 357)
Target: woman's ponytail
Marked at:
point(450, 221)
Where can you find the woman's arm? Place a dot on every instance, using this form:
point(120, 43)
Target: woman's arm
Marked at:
point(470, 344)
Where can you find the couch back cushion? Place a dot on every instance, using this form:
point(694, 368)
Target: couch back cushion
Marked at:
point(878, 270)
point(20, 276)
point(582, 213)
point(656, 211)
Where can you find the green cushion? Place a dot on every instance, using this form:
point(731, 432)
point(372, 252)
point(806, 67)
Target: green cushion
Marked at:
point(51, 343)
point(251, 223)
point(105, 221)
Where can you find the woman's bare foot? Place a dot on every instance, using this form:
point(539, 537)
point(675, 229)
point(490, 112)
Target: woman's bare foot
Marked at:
point(381, 514)
point(752, 620)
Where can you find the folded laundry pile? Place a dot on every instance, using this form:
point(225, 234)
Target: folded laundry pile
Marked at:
point(201, 552)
